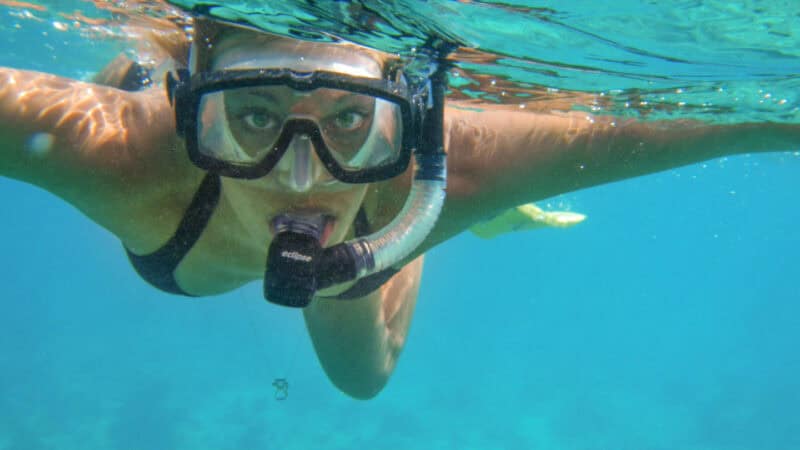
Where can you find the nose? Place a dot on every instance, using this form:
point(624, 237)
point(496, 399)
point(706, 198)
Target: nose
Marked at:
point(300, 168)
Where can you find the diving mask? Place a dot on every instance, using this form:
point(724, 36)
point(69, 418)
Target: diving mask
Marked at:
point(240, 122)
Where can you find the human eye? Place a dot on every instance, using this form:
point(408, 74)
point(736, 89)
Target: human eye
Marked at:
point(258, 120)
point(349, 120)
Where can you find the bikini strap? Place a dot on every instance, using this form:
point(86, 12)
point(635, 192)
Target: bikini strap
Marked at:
point(158, 268)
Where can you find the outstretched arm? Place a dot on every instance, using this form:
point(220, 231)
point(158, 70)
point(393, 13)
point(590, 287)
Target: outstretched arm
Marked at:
point(91, 145)
point(504, 158)
point(501, 157)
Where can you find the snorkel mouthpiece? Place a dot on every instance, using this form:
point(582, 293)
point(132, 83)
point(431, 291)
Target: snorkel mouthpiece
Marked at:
point(298, 266)
point(292, 259)
point(290, 279)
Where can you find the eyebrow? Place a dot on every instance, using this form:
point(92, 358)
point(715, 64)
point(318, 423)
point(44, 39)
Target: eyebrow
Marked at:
point(331, 97)
point(261, 94)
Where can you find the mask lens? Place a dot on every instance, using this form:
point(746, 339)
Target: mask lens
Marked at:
point(373, 143)
point(238, 126)
point(242, 126)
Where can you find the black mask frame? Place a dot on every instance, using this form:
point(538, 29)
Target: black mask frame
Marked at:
point(186, 91)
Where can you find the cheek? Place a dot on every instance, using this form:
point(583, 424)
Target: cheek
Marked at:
point(351, 202)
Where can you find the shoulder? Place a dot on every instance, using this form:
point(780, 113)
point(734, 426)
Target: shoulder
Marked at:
point(110, 153)
point(486, 144)
point(497, 155)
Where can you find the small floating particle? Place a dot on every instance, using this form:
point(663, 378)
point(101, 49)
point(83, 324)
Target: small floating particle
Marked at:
point(40, 144)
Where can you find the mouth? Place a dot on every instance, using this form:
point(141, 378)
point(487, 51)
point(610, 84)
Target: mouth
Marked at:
point(315, 223)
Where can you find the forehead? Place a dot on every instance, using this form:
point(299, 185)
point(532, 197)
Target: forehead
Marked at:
point(282, 95)
point(246, 49)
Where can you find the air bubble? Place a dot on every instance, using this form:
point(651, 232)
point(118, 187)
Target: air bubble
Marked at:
point(40, 144)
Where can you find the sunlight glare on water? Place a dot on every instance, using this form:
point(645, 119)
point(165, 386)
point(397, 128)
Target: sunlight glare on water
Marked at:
point(661, 59)
point(715, 60)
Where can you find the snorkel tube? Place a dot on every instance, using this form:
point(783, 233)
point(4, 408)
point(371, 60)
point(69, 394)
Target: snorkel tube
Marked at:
point(298, 266)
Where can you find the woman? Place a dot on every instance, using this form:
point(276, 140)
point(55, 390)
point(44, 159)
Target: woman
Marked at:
point(307, 167)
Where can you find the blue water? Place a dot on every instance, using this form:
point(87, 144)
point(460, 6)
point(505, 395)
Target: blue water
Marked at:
point(668, 320)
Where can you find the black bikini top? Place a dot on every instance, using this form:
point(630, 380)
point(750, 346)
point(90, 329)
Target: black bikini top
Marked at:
point(158, 267)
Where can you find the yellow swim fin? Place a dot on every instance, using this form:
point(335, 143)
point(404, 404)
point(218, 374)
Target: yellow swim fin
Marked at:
point(525, 217)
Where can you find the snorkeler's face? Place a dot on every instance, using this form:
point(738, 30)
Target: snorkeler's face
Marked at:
point(254, 117)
